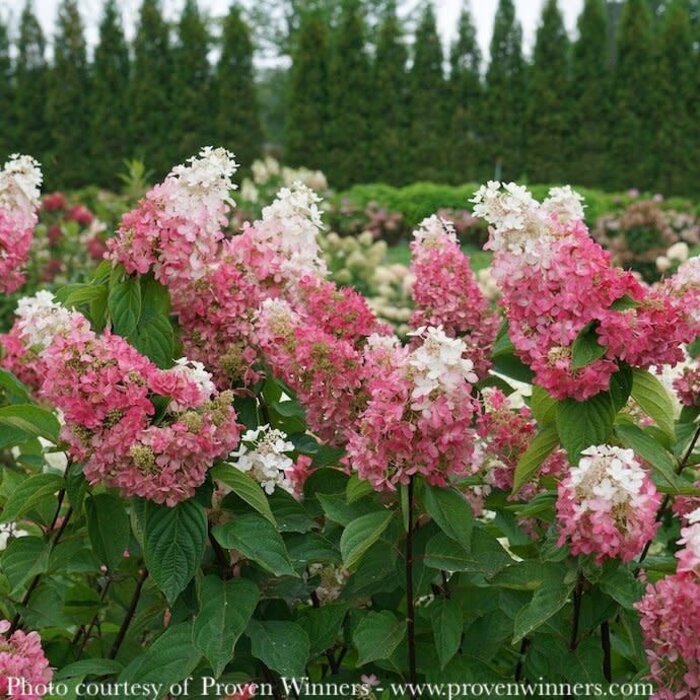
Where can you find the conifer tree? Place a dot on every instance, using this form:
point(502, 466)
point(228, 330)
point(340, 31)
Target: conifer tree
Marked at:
point(110, 84)
point(389, 88)
point(151, 113)
point(466, 94)
point(675, 144)
point(634, 101)
point(191, 86)
point(548, 122)
point(305, 142)
point(238, 126)
point(31, 76)
point(7, 121)
point(348, 131)
point(428, 103)
point(505, 96)
point(67, 103)
point(590, 97)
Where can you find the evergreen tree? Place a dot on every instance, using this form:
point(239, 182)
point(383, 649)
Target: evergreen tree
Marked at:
point(150, 107)
point(238, 125)
point(31, 76)
point(67, 103)
point(590, 97)
point(389, 88)
point(428, 104)
point(7, 125)
point(348, 131)
point(464, 147)
point(110, 84)
point(548, 121)
point(675, 142)
point(308, 94)
point(191, 86)
point(505, 95)
point(634, 100)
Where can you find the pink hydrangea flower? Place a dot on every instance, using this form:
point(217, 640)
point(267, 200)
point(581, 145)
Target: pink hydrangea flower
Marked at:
point(20, 180)
point(445, 292)
point(21, 656)
point(687, 386)
point(607, 505)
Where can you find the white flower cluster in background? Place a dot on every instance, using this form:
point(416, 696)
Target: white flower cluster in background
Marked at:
point(264, 454)
point(20, 184)
point(437, 365)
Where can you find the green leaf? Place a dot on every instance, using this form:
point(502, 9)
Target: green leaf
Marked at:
point(624, 303)
point(377, 636)
point(545, 603)
point(153, 335)
point(89, 667)
point(540, 448)
point(108, 528)
point(322, 625)
point(543, 406)
point(282, 646)
point(622, 586)
point(648, 449)
point(586, 348)
point(11, 389)
point(447, 622)
point(170, 659)
point(356, 489)
point(124, 302)
point(509, 365)
point(226, 609)
point(28, 494)
point(174, 540)
point(361, 534)
point(24, 557)
point(31, 420)
point(76, 294)
point(621, 387)
point(452, 513)
point(581, 424)
point(653, 399)
point(245, 487)
point(256, 539)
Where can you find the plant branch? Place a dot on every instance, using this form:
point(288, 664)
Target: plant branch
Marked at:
point(607, 652)
point(129, 614)
point(578, 594)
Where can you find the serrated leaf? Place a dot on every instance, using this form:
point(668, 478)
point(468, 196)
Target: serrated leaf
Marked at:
point(653, 399)
point(174, 540)
point(24, 557)
point(226, 609)
point(361, 534)
point(543, 406)
point(89, 667)
point(542, 445)
point(124, 302)
point(244, 487)
point(282, 646)
point(11, 389)
point(108, 528)
point(545, 603)
point(377, 636)
point(31, 420)
point(586, 348)
point(581, 424)
point(322, 625)
point(256, 539)
point(28, 494)
point(648, 449)
point(452, 513)
point(447, 623)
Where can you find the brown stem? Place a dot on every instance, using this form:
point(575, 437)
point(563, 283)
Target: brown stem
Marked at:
point(524, 646)
point(87, 632)
point(578, 594)
point(129, 614)
point(410, 602)
point(607, 652)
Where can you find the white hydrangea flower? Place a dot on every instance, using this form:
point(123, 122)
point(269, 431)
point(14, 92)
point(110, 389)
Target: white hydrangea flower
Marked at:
point(678, 251)
point(263, 453)
point(41, 319)
point(20, 184)
point(434, 231)
point(566, 203)
point(437, 365)
point(195, 372)
point(610, 473)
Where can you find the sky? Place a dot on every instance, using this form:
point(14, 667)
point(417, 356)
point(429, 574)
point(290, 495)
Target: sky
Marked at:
point(447, 10)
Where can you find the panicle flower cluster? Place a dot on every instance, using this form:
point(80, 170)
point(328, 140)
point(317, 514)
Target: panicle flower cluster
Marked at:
point(20, 180)
point(106, 391)
point(445, 291)
point(689, 555)
point(685, 286)
point(325, 371)
point(176, 227)
point(21, 656)
point(687, 386)
point(557, 281)
point(419, 413)
point(264, 453)
point(607, 505)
